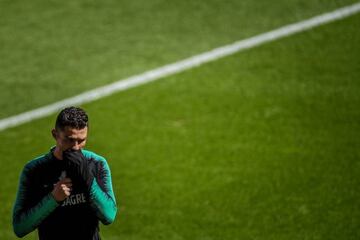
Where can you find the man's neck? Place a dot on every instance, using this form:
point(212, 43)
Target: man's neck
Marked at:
point(58, 153)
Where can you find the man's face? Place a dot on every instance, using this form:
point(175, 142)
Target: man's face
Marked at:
point(70, 138)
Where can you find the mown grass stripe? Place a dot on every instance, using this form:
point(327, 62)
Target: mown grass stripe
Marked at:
point(180, 66)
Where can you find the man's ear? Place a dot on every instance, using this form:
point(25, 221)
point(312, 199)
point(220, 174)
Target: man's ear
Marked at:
point(54, 133)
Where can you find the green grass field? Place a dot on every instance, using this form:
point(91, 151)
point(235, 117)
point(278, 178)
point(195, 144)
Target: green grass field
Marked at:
point(263, 144)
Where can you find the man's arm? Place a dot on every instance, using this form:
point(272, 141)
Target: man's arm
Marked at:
point(25, 218)
point(93, 172)
point(102, 198)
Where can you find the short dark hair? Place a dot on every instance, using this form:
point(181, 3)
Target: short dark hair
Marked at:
point(73, 117)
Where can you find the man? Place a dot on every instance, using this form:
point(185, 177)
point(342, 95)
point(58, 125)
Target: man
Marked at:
point(65, 192)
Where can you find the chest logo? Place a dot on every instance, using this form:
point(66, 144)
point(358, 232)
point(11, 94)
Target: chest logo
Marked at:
point(74, 200)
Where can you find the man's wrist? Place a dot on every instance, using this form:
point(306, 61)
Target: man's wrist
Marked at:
point(52, 196)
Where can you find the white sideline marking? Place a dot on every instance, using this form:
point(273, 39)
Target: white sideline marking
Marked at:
point(180, 66)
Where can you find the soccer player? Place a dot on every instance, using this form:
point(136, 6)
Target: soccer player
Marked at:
point(65, 192)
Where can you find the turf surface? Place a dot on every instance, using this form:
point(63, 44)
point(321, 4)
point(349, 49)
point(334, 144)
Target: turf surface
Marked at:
point(52, 50)
point(260, 145)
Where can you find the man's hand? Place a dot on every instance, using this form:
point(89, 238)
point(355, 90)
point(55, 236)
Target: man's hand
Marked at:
point(62, 189)
point(80, 169)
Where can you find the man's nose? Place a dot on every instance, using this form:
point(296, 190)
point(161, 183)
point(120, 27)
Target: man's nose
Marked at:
point(76, 146)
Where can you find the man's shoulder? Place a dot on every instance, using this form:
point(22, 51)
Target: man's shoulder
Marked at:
point(36, 162)
point(93, 155)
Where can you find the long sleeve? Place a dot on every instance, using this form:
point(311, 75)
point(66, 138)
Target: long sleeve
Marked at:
point(26, 218)
point(102, 198)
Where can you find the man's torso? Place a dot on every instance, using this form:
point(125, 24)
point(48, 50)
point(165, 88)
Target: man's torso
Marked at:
point(74, 217)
